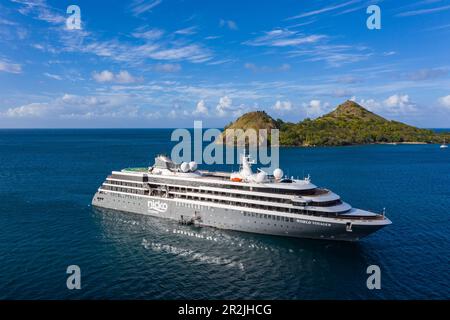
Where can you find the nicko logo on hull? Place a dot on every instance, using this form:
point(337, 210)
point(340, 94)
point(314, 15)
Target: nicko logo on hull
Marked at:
point(157, 205)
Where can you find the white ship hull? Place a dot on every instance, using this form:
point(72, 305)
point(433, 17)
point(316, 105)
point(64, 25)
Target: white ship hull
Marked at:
point(240, 218)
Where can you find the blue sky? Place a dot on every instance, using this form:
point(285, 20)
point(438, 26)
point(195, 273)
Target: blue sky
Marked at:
point(161, 63)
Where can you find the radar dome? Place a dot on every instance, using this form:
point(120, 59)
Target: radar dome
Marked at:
point(278, 173)
point(260, 177)
point(184, 167)
point(193, 165)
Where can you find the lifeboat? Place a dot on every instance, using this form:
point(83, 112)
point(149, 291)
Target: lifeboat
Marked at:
point(236, 177)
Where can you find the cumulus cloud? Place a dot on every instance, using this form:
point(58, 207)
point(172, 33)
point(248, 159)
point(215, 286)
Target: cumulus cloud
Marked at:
point(201, 108)
point(224, 106)
point(394, 105)
point(370, 104)
point(316, 108)
point(445, 101)
point(400, 104)
point(31, 110)
point(283, 106)
point(397, 100)
point(125, 77)
point(104, 76)
point(108, 76)
point(74, 106)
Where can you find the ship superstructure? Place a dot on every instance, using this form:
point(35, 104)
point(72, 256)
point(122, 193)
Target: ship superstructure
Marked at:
point(243, 201)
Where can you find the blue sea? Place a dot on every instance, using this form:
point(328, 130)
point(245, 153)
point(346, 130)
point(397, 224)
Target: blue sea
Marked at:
point(48, 178)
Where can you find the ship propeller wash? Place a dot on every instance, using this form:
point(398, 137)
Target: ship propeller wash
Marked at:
point(244, 201)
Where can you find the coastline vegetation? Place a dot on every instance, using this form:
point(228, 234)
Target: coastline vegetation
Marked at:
point(348, 124)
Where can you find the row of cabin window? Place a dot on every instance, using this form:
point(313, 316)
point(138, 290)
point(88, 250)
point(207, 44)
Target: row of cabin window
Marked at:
point(251, 197)
point(126, 177)
point(218, 193)
point(127, 184)
point(127, 196)
point(268, 216)
point(247, 188)
point(124, 190)
point(244, 204)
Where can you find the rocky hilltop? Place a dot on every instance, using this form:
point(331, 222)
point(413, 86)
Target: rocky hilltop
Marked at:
point(348, 124)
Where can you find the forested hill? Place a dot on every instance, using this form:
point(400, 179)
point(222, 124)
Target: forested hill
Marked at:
point(348, 124)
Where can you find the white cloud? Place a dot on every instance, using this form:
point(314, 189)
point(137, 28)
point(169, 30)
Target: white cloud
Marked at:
point(167, 67)
point(41, 11)
point(253, 67)
point(31, 110)
point(191, 52)
point(125, 77)
point(122, 77)
point(283, 106)
point(316, 108)
point(104, 76)
point(334, 55)
point(445, 101)
point(230, 24)
point(284, 38)
point(396, 104)
point(322, 10)
point(187, 31)
point(224, 106)
point(7, 22)
point(74, 106)
point(423, 11)
point(212, 37)
point(150, 44)
point(52, 76)
point(397, 100)
point(139, 7)
point(427, 74)
point(149, 34)
point(370, 104)
point(201, 108)
point(9, 67)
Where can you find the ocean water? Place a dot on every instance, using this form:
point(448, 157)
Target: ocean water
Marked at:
point(48, 178)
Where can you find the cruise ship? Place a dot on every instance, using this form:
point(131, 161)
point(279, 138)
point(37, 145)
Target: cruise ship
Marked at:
point(258, 202)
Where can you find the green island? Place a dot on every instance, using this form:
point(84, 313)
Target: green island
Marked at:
point(348, 124)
